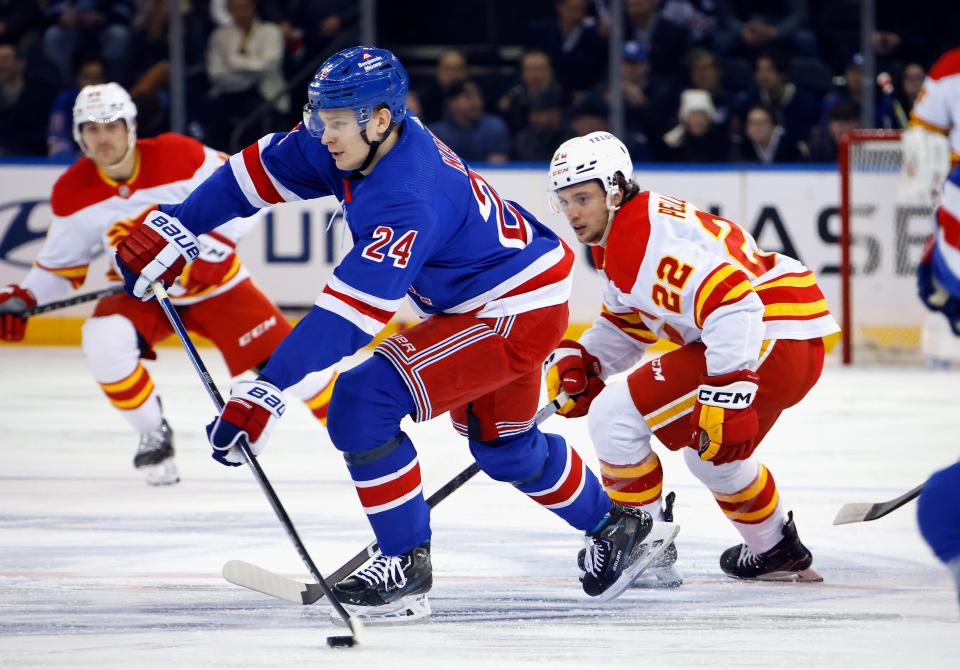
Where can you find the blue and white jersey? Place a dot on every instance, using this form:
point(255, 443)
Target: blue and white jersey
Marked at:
point(946, 251)
point(424, 226)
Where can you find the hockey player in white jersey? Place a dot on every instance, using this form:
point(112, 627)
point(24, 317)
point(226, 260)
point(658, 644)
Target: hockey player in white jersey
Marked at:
point(749, 326)
point(95, 203)
point(931, 172)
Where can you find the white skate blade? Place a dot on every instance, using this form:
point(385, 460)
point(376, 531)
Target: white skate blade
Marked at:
point(808, 575)
point(658, 578)
point(253, 577)
point(163, 473)
point(655, 543)
point(407, 610)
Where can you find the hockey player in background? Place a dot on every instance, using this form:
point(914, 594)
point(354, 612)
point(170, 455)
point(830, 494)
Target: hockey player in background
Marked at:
point(749, 325)
point(96, 203)
point(931, 147)
point(493, 280)
point(938, 514)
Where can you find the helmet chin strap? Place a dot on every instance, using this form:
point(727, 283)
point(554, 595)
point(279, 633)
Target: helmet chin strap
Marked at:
point(373, 144)
point(611, 213)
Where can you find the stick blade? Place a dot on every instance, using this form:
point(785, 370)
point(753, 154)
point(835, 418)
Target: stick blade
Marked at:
point(253, 577)
point(853, 512)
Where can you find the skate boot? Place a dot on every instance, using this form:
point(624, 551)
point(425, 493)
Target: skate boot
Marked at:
point(155, 456)
point(392, 589)
point(625, 543)
point(787, 561)
point(661, 574)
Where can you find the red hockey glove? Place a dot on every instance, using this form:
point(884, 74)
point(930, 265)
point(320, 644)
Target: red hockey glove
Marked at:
point(13, 300)
point(156, 250)
point(724, 420)
point(212, 265)
point(251, 412)
point(575, 371)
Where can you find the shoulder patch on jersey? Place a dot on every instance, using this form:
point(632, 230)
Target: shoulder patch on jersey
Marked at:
point(948, 64)
point(77, 188)
point(627, 243)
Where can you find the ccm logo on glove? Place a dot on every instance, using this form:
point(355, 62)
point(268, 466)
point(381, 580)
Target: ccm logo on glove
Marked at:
point(735, 396)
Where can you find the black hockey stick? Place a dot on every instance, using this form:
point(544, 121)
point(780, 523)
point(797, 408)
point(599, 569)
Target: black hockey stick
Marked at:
point(254, 577)
point(70, 302)
point(854, 512)
point(355, 626)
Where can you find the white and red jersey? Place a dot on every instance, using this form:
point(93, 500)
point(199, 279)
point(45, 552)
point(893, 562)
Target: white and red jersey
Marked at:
point(675, 272)
point(938, 105)
point(91, 213)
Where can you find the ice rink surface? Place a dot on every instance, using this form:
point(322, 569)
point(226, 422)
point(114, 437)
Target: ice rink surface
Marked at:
point(98, 570)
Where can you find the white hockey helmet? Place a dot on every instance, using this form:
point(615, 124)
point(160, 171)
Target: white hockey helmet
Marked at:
point(104, 103)
point(598, 155)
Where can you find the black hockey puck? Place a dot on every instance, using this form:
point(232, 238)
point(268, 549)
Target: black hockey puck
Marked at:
point(341, 641)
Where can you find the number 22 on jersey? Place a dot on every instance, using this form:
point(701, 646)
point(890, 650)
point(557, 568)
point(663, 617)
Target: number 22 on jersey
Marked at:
point(674, 274)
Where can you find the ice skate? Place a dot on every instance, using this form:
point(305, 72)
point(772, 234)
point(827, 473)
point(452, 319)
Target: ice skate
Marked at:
point(154, 456)
point(391, 590)
point(787, 561)
point(622, 548)
point(662, 573)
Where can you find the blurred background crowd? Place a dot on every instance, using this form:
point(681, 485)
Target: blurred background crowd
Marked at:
point(703, 81)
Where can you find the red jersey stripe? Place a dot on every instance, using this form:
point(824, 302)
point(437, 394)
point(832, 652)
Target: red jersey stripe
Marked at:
point(258, 175)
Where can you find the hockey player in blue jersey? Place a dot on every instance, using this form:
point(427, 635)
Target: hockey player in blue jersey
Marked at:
point(938, 514)
point(493, 281)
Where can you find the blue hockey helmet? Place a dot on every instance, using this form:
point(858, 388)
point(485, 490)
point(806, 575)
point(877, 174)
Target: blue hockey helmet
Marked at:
point(359, 78)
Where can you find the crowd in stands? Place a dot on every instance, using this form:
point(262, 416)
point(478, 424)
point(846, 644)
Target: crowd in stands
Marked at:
point(703, 81)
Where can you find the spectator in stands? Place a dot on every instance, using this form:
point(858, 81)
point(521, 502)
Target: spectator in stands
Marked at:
point(697, 17)
point(536, 82)
point(644, 104)
point(576, 49)
point(20, 22)
point(151, 65)
point(748, 27)
point(911, 81)
point(89, 28)
point(590, 116)
point(844, 118)
point(544, 131)
point(244, 66)
point(451, 69)
point(60, 143)
point(764, 140)
point(697, 139)
point(468, 130)
point(704, 74)
point(853, 91)
point(796, 110)
point(665, 41)
point(23, 107)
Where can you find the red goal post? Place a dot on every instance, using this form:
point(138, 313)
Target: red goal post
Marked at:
point(881, 238)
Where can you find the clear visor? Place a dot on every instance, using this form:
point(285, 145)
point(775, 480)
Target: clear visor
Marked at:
point(348, 123)
point(312, 121)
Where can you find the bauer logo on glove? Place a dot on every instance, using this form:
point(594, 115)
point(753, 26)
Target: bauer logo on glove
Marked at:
point(251, 413)
point(176, 235)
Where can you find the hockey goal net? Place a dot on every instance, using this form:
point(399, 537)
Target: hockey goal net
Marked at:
point(881, 241)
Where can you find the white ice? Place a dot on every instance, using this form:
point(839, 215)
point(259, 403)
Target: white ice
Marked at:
point(98, 570)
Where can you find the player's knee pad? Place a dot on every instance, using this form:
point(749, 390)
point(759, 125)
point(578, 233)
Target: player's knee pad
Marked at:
point(110, 346)
point(367, 405)
point(619, 433)
point(515, 459)
point(726, 478)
